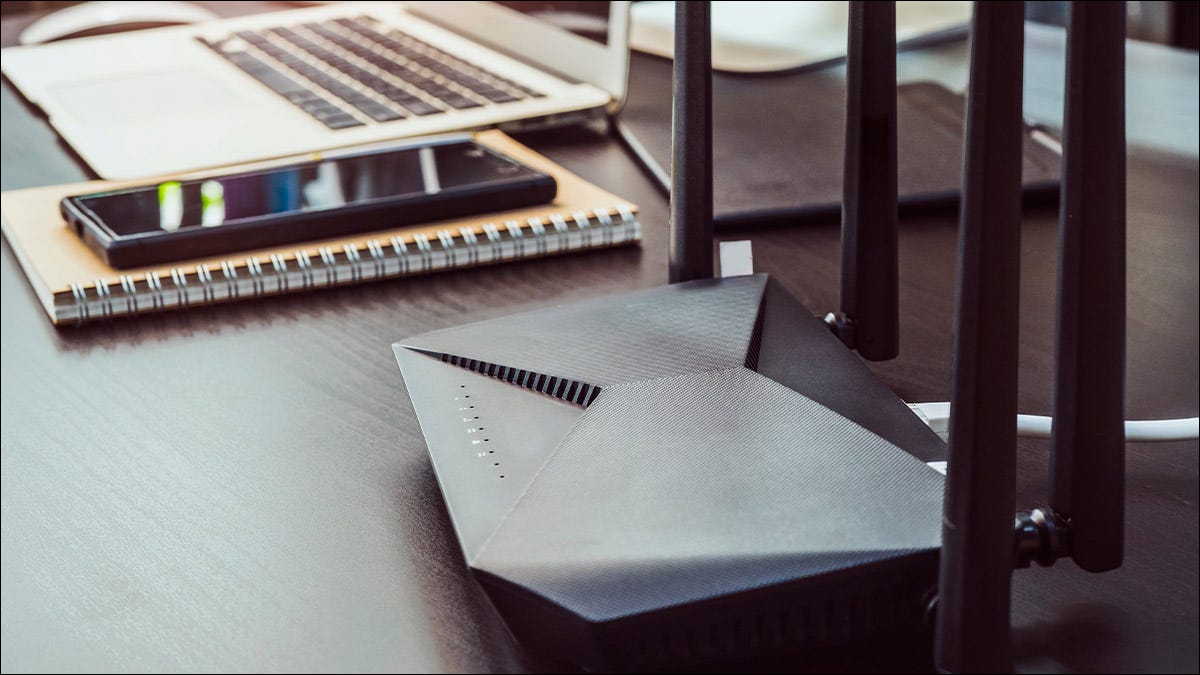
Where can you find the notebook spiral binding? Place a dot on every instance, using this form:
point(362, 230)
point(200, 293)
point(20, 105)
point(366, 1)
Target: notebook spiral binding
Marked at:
point(354, 262)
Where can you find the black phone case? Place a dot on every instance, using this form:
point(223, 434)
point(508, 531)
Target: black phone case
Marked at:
point(154, 248)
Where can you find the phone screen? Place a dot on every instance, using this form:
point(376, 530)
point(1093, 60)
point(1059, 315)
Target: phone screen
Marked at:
point(328, 184)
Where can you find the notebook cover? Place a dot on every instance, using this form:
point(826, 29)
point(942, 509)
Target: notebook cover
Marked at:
point(53, 257)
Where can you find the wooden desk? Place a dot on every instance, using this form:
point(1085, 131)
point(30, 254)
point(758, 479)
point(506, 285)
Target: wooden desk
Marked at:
point(245, 487)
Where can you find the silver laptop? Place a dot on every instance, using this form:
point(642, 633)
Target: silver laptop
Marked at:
point(300, 81)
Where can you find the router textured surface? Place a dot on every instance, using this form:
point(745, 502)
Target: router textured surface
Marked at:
point(640, 479)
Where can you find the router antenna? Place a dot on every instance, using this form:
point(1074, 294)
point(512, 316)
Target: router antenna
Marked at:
point(870, 274)
point(1088, 436)
point(691, 145)
point(977, 532)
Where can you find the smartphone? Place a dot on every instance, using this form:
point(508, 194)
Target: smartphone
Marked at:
point(381, 189)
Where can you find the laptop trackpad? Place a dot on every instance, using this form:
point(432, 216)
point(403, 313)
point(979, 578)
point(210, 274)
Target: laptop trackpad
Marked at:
point(163, 95)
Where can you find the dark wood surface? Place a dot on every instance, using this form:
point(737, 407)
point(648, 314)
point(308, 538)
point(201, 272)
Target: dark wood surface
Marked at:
point(245, 487)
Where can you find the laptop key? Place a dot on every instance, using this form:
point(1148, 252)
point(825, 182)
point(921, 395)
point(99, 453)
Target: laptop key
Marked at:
point(380, 112)
point(305, 99)
point(499, 96)
point(251, 37)
point(279, 82)
point(461, 102)
point(341, 122)
point(398, 95)
point(321, 108)
point(421, 108)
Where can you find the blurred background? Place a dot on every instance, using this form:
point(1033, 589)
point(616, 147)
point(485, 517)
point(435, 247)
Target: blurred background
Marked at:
point(1166, 22)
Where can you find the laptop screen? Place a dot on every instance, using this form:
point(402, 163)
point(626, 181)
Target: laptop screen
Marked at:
point(587, 19)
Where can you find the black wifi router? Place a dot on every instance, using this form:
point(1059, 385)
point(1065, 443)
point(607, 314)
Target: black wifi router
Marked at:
point(678, 473)
point(705, 470)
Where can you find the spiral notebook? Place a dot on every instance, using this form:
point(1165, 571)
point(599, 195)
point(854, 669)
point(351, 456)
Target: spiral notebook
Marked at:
point(75, 286)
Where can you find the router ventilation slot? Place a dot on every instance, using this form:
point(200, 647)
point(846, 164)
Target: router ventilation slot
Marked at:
point(571, 391)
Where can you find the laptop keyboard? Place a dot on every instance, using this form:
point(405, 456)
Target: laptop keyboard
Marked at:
point(351, 72)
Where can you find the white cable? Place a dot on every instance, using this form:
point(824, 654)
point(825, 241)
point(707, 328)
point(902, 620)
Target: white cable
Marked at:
point(1154, 431)
point(937, 416)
